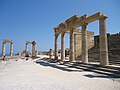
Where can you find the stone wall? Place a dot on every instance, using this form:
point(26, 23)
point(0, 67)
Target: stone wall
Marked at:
point(113, 49)
point(78, 41)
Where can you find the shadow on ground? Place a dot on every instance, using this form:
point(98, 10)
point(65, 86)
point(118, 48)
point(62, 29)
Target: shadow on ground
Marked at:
point(103, 72)
point(63, 68)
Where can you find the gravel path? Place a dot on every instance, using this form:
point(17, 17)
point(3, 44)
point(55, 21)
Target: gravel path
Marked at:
point(27, 75)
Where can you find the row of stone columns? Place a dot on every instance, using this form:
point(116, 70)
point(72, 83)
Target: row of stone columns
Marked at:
point(103, 44)
point(3, 49)
point(63, 46)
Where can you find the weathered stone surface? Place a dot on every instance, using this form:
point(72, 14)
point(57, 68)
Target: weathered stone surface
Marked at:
point(78, 42)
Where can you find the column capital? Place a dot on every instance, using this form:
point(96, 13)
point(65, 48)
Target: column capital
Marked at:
point(11, 42)
point(4, 42)
point(103, 17)
point(56, 34)
point(63, 33)
point(34, 43)
point(85, 24)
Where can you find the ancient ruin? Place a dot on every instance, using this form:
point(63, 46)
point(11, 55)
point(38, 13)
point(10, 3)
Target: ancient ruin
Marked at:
point(33, 47)
point(74, 22)
point(4, 47)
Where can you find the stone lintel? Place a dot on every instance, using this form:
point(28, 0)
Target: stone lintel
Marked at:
point(77, 21)
point(9, 41)
point(94, 17)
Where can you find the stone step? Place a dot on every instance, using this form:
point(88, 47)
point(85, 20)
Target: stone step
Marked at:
point(98, 69)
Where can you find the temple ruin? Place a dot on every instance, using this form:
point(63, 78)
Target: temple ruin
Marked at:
point(4, 47)
point(33, 47)
point(70, 25)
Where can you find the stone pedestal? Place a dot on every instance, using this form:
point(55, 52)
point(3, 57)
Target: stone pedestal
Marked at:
point(3, 49)
point(103, 42)
point(62, 46)
point(72, 58)
point(11, 49)
point(84, 44)
point(56, 46)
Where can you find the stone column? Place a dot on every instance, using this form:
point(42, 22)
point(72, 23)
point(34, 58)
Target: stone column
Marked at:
point(103, 42)
point(11, 49)
point(33, 48)
point(84, 44)
point(56, 46)
point(36, 52)
point(50, 53)
point(26, 48)
point(3, 49)
point(63, 46)
point(72, 58)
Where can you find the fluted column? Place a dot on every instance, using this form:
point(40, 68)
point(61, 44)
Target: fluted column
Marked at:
point(84, 44)
point(56, 46)
point(62, 46)
point(3, 49)
point(72, 57)
point(11, 49)
point(103, 42)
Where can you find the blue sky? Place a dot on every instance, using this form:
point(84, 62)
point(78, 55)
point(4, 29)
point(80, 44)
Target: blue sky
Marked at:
point(22, 20)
